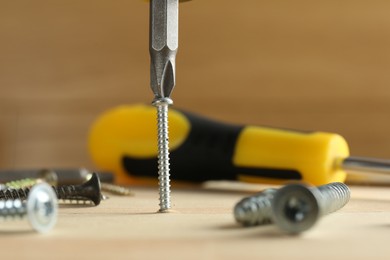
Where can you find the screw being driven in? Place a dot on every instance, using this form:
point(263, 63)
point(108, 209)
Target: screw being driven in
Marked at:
point(297, 207)
point(40, 208)
point(163, 45)
point(163, 153)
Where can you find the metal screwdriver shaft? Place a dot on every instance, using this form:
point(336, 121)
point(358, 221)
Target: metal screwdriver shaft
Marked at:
point(163, 45)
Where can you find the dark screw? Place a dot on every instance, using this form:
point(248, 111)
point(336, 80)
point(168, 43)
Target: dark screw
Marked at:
point(89, 190)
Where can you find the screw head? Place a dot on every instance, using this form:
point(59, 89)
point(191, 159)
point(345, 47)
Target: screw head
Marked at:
point(158, 101)
point(296, 208)
point(42, 207)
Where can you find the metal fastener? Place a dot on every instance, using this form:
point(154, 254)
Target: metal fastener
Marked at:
point(297, 207)
point(112, 188)
point(255, 209)
point(116, 189)
point(163, 153)
point(90, 190)
point(45, 175)
point(41, 208)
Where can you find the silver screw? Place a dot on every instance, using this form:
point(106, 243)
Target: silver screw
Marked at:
point(41, 208)
point(256, 209)
point(297, 207)
point(163, 152)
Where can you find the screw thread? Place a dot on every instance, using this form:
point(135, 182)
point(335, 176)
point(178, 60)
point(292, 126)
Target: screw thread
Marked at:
point(14, 194)
point(163, 156)
point(90, 190)
point(334, 196)
point(256, 209)
point(12, 208)
point(65, 192)
point(22, 183)
point(116, 189)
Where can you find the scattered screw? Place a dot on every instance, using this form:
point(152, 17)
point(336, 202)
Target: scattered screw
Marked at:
point(40, 208)
point(297, 207)
point(256, 209)
point(294, 208)
point(45, 175)
point(90, 190)
point(22, 183)
point(112, 188)
point(116, 189)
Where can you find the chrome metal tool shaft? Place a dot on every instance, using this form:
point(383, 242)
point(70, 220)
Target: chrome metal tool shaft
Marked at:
point(365, 171)
point(163, 45)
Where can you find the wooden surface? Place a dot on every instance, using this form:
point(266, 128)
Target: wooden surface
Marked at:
point(310, 65)
point(202, 227)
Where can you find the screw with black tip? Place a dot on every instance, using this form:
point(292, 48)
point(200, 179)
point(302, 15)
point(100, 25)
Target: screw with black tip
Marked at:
point(297, 207)
point(89, 190)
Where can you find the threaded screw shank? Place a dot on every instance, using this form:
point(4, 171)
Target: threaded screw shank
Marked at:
point(334, 196)
point(12, 208)
point(256, 209)
point(163, 153)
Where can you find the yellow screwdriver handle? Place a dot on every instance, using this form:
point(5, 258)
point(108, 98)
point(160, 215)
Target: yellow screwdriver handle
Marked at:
point(124, 140)
point(312, 157)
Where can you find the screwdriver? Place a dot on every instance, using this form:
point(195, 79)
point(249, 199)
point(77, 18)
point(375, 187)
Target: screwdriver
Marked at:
point(121, 140)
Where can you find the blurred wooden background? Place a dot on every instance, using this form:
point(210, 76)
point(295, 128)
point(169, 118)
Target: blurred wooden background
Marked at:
point(311, 65)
